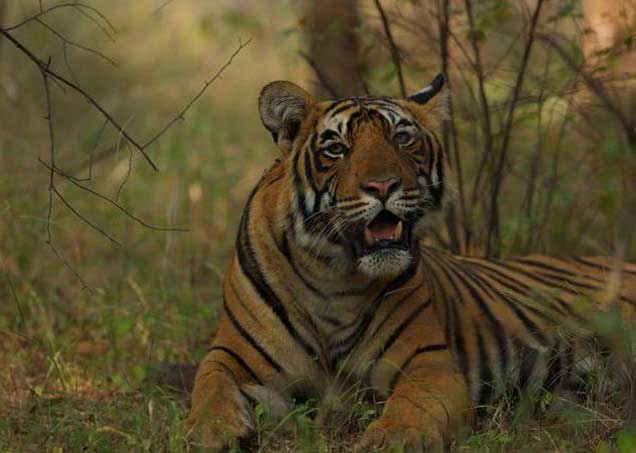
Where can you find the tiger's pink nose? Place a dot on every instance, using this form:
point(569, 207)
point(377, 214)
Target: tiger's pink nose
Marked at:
point(381, 189)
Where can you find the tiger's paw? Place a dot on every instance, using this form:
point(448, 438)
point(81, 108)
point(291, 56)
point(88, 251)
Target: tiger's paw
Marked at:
point(383, 436)
point(222, 422)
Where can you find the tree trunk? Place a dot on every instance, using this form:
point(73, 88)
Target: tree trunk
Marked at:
point(332, 41)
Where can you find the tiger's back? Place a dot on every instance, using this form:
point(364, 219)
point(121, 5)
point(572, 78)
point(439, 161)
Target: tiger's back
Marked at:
point(513, 322)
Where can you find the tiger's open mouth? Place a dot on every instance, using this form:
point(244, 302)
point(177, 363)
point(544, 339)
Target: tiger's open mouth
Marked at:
point(385, 231)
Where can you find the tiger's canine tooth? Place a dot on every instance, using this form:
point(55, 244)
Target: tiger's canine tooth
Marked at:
point(397, 234)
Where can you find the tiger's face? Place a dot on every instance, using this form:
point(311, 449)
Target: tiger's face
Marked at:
point(365, 173)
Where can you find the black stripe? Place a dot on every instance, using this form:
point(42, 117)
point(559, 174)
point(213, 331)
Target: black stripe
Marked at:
point(528, 357)
point(286, 251)
point(604, 267)
point(460, 345)
point(565, 288)
point(563, 307)
point(245, 334)
point(227, 370)
point(421, 350)
point(453, 329)
point(242, 303)
point(238, 360)
point(516, 293)
point(329, 320)
point(497, 330)
point(530, 326)
point(328, 135)
point(338, 106)
point(307, 170)
point(549, 267)
point(396, 333)
point(394, 308)
point(548, 280)
point(318, 166)
point(369, 314)
point(486, 379)
point(252, 269)
point(555, 368)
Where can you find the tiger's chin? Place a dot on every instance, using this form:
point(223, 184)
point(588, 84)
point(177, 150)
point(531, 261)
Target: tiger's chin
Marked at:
point(384, 263)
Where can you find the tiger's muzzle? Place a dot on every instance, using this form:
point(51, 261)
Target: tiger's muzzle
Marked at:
point(381, 239)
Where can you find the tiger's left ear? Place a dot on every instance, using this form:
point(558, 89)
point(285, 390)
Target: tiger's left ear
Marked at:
point(283, 107)
point(438, 107)
point(428, 92)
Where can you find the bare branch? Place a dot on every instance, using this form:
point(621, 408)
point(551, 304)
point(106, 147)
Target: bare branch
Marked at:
point(16, 299)
point(68, 266)
point(486, 121)
point(49, 119)
point(52, 189)
point(140, 221)
point(183, 111)
point(84, 219)
point(82, 8)
point(449, 128)
point(105, 29)
point(395, 53)
point(65, 40)
point(128, 171)
point(79, 90)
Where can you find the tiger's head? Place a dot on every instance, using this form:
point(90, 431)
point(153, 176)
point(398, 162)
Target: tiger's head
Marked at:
point(364, 172)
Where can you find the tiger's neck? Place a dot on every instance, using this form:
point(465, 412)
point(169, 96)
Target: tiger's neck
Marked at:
point(319, 278)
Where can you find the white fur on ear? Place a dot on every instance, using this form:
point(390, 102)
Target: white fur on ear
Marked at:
point(442, 105)
point(283, 107)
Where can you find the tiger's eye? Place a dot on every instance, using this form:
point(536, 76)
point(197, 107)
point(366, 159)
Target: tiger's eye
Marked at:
point(335, 150)
point(402, 138)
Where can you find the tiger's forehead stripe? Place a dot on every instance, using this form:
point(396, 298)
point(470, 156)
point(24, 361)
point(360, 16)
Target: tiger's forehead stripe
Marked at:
point(340, 117)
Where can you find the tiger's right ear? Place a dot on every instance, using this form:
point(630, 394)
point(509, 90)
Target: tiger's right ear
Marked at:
point(284, 106)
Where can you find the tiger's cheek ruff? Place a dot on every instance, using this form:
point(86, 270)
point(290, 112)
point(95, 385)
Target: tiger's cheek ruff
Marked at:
point(313, 221)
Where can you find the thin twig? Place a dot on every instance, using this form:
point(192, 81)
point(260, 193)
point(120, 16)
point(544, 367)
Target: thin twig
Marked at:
point(81, 91)
point(183, 111)
point(395, 53)
point(52, 189)
point(92, 151)
point(49, 119)
point(483, 101)
point(109, 33)
point(140, 221)
point(14, 294)
point(128, 171)
point(70, 268)
point(454, 222)
point(75, 5)
point(65, 40)
point(84, 219)
point(595, 86)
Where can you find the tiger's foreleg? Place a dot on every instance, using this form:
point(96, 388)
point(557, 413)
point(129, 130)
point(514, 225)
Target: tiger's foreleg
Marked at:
point(219, 412)
point(223, 387)
point(430, 400)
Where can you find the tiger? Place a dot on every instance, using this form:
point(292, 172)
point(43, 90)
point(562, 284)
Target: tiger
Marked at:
point(329, 278)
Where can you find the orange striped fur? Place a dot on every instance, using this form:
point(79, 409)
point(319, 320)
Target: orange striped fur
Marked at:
point(329, 279)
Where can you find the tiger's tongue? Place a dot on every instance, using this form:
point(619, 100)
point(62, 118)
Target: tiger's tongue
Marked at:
point(382, 231)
